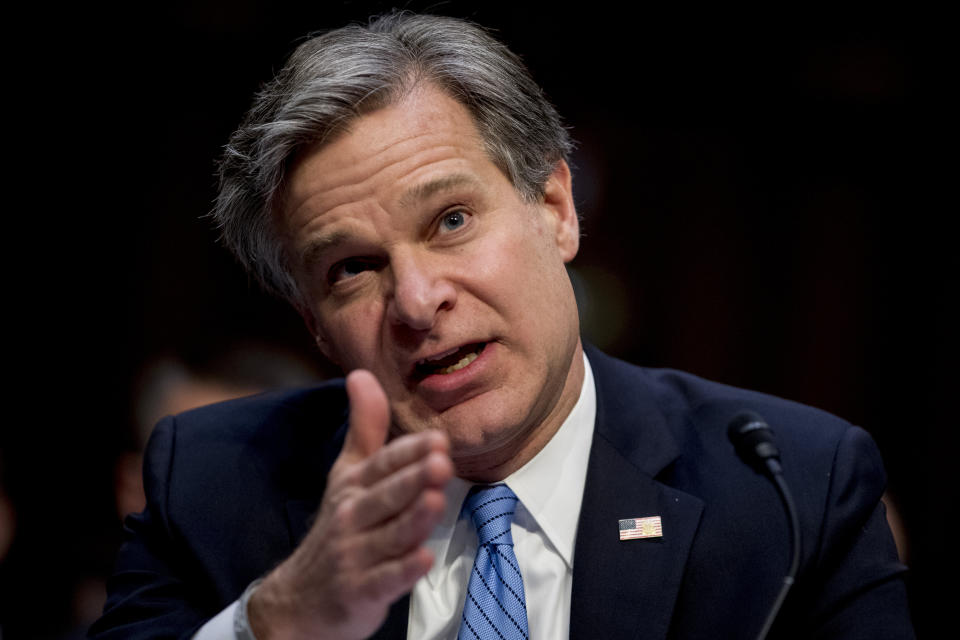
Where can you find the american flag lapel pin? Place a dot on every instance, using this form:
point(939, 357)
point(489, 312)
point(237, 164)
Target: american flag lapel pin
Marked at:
point(649, 527)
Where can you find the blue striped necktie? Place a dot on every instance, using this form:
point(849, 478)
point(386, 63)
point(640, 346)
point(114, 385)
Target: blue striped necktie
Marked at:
point(495, 607)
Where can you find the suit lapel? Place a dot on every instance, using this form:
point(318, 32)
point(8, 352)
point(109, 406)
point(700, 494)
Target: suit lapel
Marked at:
point(627, 589)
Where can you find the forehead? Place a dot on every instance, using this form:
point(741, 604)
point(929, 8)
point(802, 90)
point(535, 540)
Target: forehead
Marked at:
point(426, 132)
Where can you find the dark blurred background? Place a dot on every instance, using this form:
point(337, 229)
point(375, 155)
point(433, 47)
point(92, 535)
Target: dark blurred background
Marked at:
point(762, 205)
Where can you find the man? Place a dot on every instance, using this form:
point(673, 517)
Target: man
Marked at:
point(405, 187)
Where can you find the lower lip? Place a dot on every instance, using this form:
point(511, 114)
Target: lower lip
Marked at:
point(445, 383)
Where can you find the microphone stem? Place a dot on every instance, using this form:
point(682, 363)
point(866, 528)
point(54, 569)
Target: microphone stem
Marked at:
point(794, 522)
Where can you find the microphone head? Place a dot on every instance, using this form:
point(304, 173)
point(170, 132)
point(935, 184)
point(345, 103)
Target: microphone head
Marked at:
point(753, 440)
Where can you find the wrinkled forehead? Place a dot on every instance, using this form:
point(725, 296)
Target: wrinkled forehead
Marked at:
point(365, 120)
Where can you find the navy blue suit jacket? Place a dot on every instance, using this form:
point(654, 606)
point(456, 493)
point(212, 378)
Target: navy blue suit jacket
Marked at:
point(231, 489)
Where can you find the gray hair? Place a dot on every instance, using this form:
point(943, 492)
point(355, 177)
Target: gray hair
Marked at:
point(337, 76)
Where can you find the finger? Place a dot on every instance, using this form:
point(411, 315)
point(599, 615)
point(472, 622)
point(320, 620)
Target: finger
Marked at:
point(369, 416)
point(402, 452)
point(393, 494)
point(395, 538)
point(390, 580)
point(410, 529)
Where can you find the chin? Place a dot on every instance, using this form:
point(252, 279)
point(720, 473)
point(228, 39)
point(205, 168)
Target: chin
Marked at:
point(475, 432)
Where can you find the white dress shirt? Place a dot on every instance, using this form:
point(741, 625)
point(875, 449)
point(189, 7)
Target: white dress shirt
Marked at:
point(550, 490)
point(544, 529)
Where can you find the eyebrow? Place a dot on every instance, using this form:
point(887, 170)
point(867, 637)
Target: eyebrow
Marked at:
point(318, 246)
point(430, 188)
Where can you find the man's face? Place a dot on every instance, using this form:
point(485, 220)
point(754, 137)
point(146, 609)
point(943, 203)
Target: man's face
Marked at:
point(420, 262)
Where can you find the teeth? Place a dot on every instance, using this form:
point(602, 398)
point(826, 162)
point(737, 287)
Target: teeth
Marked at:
point(467, 359)
point(441, 363)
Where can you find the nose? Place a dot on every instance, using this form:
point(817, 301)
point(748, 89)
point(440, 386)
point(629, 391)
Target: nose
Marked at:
point(420, 291)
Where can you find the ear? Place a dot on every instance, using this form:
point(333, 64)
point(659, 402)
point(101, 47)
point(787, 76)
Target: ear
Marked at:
point(558, 198)
point(318, 335)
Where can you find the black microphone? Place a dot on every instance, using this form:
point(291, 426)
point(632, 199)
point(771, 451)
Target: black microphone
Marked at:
point(753, 440)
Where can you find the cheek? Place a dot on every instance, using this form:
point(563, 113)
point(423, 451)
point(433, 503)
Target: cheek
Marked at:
point(525, 270)
point(540, 297)
point(353, 334)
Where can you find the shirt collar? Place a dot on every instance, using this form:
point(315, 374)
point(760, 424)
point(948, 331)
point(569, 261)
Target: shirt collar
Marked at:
point(551, 499)
point(550, 486)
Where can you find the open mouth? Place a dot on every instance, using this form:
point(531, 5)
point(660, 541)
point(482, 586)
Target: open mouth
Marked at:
point(451, 361)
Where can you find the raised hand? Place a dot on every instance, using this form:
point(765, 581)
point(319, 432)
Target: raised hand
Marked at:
point(364, 549)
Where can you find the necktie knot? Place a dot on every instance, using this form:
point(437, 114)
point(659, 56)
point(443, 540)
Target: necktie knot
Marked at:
point(495, 607)
point(491, 508)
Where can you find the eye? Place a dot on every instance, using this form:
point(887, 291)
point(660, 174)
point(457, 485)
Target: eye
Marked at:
point(452, 220)
point(350, 268)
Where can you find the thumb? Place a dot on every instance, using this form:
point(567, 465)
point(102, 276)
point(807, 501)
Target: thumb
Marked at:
point(369, 415)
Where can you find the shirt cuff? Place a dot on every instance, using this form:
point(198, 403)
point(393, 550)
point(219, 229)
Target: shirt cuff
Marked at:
point(219, 627)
